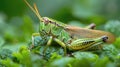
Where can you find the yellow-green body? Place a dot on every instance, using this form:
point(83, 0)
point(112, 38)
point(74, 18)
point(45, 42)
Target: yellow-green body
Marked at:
point(56, 31)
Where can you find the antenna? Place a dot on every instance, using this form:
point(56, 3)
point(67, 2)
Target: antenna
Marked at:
point(35, 10)
point(35, 7)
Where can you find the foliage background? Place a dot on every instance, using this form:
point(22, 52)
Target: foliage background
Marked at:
point(18, 22)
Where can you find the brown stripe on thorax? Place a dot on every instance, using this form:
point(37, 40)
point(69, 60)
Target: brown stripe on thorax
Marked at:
point(46, 20)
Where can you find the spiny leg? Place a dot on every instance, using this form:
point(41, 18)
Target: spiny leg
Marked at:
point(61, 44)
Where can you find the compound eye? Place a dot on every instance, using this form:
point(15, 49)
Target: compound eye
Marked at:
point(105, 38)
point(45, 19)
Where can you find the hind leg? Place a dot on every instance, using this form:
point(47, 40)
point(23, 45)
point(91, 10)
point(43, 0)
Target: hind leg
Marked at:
point(91, 26)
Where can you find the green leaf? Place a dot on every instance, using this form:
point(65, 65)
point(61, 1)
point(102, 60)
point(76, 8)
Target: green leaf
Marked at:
point(63, 62)
point(85, 55)
point(113, 27)
point(117, 43)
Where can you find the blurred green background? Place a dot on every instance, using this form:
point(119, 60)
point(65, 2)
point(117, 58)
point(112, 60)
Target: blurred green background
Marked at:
point(18, 22)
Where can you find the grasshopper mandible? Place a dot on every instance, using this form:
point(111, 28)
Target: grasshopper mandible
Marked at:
point(69, 37)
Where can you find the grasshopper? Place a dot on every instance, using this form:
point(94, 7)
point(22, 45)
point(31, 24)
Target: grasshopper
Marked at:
point(69, 37)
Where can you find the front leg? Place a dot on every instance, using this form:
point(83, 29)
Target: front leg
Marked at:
point(33, 39)
point(61, 44)
point(48, 44)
